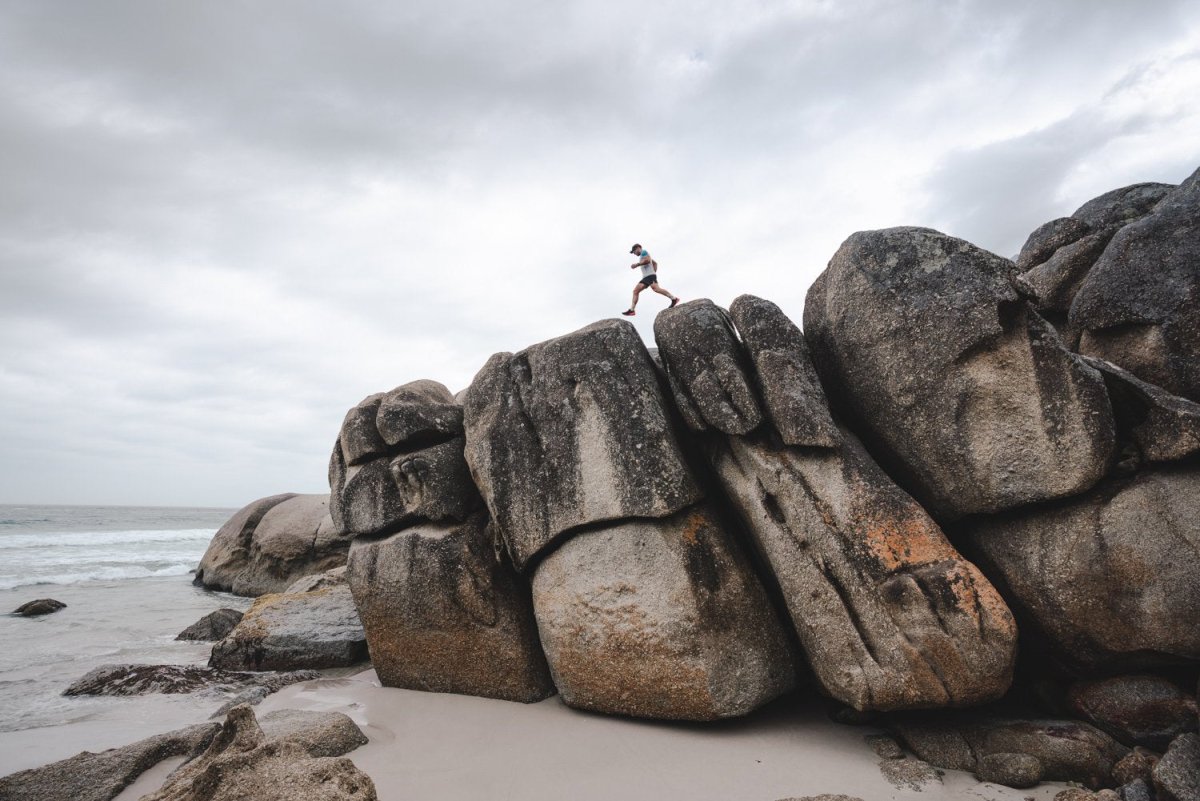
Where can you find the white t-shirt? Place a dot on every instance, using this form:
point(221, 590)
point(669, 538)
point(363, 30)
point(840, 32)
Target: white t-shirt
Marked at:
point(647, 263)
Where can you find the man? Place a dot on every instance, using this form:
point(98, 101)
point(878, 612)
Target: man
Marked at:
point(649, 279)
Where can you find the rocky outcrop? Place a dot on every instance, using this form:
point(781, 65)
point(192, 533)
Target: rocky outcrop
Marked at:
point(174, 679)
point(1137, 710)
point(889, 614)
point(242, 762)
point(659, 618)
point(398, 460)
point(1139, 306)
point(282, 631)
point(966, 391)
point(784, 374)
point(270, 543)
point(212, 627)
point(42, 606)
point(983, 744)
point(1108, 579)
point(443, 614)
point(319, 581)
point(100, 777)
point(321, 734)
point(573, 432)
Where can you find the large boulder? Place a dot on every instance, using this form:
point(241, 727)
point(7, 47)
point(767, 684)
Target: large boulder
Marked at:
point(290, 631)
point(1058, 255)
point(1065, 750)
point(244, 763)
point(270, 543)
point(889, 613)
point(784, 374)
point(1107, 579)
point(1140, 303)
point(706, 369)
point(441, 613)
point(321, 734)
point(573, 432)
point(964, 391)
point(398, 460)
point(1137, 710)
point(660, 618)
point(100, 777)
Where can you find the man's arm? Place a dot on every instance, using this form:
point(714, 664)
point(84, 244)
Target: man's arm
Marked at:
point(645, 259)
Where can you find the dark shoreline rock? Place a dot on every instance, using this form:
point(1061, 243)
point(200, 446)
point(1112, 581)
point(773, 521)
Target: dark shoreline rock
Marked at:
point(213, 626)
point(173, 679)
point(42, 606)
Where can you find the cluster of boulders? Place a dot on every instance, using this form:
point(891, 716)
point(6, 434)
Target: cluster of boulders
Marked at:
point(956, 448)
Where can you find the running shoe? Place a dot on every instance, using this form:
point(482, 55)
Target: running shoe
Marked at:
point(629, 312)
point(673, 302)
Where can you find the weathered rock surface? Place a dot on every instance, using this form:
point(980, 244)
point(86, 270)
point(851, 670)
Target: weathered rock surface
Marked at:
point(965, 390)
point(784, 375)
point(1137, 710)
point(1011, 770)
point(571, 432)
point(101, 776)
point(399, 460)
point(1139, 306)
point(1137, 765)
point(270, 543)
point(321, 734)
point(890, 615)
point(318, 581)
point(42, 606)
point(1065, 750)
point(1048, 238)
point(659, 618)
point(442, 614)
point(1109, 578)
point(243, 763)
point(1119, 207)
point(1177, 774)
point(705, 367)
point(145, 679)
point(282, 631)
point(1163, 427)
point(212, 627)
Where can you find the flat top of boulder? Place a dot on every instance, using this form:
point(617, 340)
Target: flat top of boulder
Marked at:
point(1121, 205)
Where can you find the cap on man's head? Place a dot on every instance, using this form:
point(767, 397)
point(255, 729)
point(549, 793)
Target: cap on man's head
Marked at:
point(635, 247)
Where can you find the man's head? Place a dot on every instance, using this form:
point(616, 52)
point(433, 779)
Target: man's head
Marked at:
point(637, 249)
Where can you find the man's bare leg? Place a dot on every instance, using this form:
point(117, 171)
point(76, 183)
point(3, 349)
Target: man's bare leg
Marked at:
point(637, 290)
point(662, 291)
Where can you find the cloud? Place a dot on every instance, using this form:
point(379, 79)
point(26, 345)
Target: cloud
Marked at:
point(223, 225)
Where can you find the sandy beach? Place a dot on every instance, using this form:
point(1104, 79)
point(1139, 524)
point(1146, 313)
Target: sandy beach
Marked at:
point(441, 747)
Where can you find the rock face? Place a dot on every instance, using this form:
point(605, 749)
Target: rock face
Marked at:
point(707, 377)
point(659, 618)
point(100, 777)
point(1140, 303)
point(321, 734)
point(42, 606)
point(173, 679)
point(442, 614)
point(965, 390)
point(242, 763)
point(212, 627)
point(1109, 578)
point(1161, 426)
point(1065, 750)
point(270, 543)
point(784, 374)
point(1137, 710)
point(891, 617)
point(571, 432)
point(1177, 774)
point(398, 460)
point(281, 631)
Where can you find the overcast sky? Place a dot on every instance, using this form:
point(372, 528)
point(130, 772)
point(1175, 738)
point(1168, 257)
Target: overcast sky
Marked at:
point(223, 224)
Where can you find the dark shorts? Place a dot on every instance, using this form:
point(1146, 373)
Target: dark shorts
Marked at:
point(649, 279)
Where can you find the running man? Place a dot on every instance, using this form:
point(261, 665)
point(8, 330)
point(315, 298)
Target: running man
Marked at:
point(649, 279)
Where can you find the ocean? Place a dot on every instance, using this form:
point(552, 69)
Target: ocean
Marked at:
point(124, 573)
